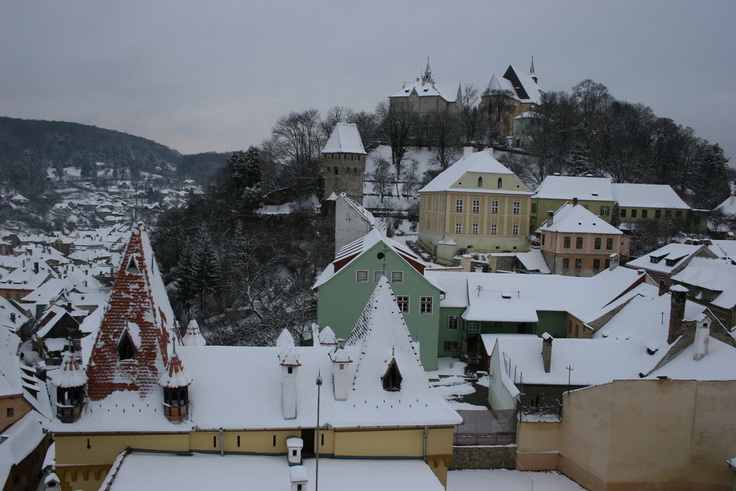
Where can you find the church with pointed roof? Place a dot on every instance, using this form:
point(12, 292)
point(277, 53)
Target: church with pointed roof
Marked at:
point(146, 390)
point(425, 96)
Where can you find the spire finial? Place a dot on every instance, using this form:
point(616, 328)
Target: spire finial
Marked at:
point(531, 70)
point(428, 72)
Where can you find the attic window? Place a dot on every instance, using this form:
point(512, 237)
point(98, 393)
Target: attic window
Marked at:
point(672, 261)
point(655, 259)
point(126, 348)
point(392, 378)
point(132, 266)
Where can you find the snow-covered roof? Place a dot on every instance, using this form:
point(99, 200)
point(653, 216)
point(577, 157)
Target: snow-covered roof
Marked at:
point(350, 252)
point(175, 375)
point(711, 274)
point(723, 248)
point(235, 472)
point(447, 91)
point(578, 219)
point(345, 138)
point(18, 441)
point(531, 87)
point(138, 306)
point(567, 187)
point(478, 162)
point(667, 259)
point(728, 207)
point(193, 336)
point(70, 374)
point(647, 196)
point(517, 297)
point(533, 260)
point(11, 317)
point(713, 366)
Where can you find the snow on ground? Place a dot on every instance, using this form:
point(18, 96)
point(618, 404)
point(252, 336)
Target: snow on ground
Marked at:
point(482, 480)
point(451, 382)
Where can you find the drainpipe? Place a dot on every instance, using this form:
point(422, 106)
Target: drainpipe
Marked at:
point(424, 443)
point(222, 443)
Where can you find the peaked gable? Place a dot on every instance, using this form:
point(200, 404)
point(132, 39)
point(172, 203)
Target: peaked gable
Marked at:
point(139, 310)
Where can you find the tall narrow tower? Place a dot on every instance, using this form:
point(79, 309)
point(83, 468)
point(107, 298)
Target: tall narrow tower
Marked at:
point(343, 162)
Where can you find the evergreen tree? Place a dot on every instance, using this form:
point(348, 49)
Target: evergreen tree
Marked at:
point(709, 181)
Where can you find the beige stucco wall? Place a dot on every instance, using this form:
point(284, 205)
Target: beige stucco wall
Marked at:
point(650, 434)
point(538, 445)
point(85, 468)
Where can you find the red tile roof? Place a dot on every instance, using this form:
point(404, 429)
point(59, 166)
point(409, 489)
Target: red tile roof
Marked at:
point(136, 306)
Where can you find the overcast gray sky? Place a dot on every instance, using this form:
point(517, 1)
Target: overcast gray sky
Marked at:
point(214, 76)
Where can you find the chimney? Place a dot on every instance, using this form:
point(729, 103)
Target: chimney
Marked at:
point(490, 151)
point(467, 151)
point(289, 368)
point(550, 217)
point(613, 261)
point(678, 294)
point(662, 287)
point(547, 351)
point(702, 334)
point(340, 371)
point(574, 201)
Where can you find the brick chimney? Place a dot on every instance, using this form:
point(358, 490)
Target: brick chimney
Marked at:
point(547, 351)
point(678, 294)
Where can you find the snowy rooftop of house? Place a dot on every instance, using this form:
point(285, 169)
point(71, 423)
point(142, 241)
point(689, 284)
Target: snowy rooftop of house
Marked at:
point(647, 196)
point(241, 387)
point(645, 318)
point(234, 472)
point(723, 248)
point(10, 317)
point(711, 274)
point(728, 207)
point(345, 138)
point(18, 379)
point(666, 259)
point(18, 441)
point(517, 297)
point(355, 249)
point(448, 91)
point(479, 163)
point(530, 86)
point(567, 187)
point(713, 366)
point(594, 362)
point(533, 260)
point(362, 211)
point(578, 219)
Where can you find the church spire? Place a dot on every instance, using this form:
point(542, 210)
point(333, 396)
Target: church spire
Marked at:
point(531, 71)
point(427, 78)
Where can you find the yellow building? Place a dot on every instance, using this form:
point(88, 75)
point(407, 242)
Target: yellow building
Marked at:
point(476, 205)
point(150, 392)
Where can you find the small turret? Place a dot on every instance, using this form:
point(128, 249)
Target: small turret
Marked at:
point(327, 337)
point(71, 384)
point(193, 336)
point(175, 382)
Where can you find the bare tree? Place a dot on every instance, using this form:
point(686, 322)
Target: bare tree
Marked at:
point(397, 123)
point(469, 113)
point(381, 178)
point(444, 131)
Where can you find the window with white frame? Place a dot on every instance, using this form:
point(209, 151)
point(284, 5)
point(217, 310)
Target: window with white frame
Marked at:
point(494, 206)
point(515, 229)
point(403, 302)
point(517, 207)
point(425, 305)
point(494, 229)
point(361, 276)
point(473, 327)
point(476, 206)
point(458, 228)
point(459, 205)
point(397, 276)
point(475, 228)
point(452, 322)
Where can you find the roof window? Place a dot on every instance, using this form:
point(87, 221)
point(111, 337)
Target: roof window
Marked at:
point(392, 378)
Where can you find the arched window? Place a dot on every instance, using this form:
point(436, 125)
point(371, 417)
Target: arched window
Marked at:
point(500, 183)
point(480, 182)
point(335, 170)
point(126, 348)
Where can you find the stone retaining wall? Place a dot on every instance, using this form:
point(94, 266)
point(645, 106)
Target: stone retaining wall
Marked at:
point(484, 457)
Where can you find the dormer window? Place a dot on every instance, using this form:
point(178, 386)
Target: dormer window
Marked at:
point(392, 378)
point(126, 348)
point(132, 266)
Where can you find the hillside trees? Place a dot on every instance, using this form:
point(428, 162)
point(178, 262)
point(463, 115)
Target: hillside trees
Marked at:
point(588, 131)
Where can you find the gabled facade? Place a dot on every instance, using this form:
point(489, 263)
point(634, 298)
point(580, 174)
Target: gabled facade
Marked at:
point(575, 242)
point(476, 205)
point(347, 283)
point(426, 97)
point(352, 221)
